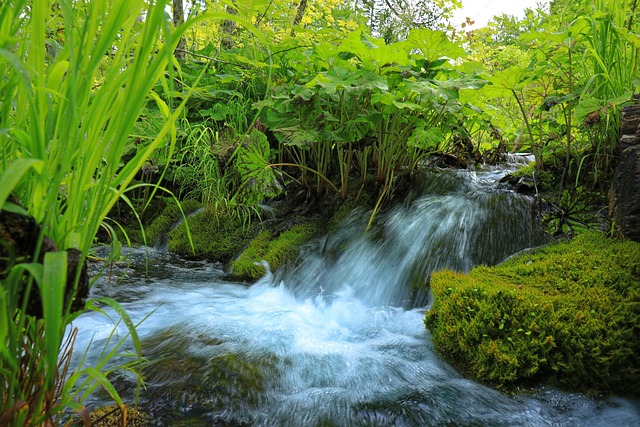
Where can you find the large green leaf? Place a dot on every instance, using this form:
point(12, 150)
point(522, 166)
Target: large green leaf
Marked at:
point(426, 137)
point(253, 163)
point(504, 82)
point(374, 52)
point(434, 44)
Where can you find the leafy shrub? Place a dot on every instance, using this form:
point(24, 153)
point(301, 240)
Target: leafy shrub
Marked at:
point(566, 314)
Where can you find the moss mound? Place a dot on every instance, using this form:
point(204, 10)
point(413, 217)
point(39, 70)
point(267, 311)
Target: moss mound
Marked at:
point(167, 218)
point(276, 250)
point(216, 237)
point(567, 314)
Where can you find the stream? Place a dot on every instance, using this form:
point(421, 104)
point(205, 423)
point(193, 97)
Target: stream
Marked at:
point(339, 340)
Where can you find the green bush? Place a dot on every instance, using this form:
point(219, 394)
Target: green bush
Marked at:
point(567, 314)
point(275, 250)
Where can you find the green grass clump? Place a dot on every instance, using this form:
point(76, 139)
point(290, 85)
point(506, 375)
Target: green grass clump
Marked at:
point(275, 250)
point(215, 236)
point(567, 314)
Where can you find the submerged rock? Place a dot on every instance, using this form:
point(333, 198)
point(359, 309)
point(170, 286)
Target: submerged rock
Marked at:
point(115, 416)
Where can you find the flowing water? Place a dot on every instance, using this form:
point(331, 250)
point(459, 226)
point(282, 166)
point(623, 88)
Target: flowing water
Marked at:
point(339, 340)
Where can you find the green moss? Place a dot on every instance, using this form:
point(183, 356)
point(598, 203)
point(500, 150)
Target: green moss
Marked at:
point(167, 218)
point(214, 237)
point(545, 180)
point(567, 314)
point(275, 250)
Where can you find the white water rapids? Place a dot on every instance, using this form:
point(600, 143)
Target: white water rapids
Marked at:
point(340, 340)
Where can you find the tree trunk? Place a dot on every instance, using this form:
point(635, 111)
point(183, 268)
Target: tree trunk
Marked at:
point(228, 28)
point(302, 6)
point(178, 19)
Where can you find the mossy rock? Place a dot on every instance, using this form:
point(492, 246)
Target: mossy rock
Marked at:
point(215, 237)
point(163, 223)
point(192, 378)
point(567, 314)
point(276, 250)
point(545, 180)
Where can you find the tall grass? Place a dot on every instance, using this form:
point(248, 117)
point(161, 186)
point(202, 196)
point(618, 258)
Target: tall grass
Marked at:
point(76, 75)
point(611, 59)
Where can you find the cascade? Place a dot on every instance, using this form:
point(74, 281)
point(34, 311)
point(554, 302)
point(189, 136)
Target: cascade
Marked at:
point(340, 339)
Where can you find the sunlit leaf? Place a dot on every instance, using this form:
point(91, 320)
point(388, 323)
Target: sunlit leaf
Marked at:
point(434, 44)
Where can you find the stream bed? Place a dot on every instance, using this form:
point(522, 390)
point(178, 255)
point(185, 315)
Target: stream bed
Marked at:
point(339, 340)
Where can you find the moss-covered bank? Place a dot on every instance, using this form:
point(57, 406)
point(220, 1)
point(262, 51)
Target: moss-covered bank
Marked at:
point(163, 222)
point(220, 238)
point(276, 249)
point(567, 314)
point(215, 237)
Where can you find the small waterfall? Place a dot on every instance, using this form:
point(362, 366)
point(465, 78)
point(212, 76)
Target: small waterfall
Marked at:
point(337, 341)
point(463, 219)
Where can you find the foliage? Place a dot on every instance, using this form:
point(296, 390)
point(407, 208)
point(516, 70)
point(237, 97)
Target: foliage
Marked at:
point(572, 210)
point(577, 67)
point(229, 177)
point(76, 76)
point(565, 314)
point(345, 104)
point(392, 20)
point(276, 250)
point(366, 105)
point(272, 18)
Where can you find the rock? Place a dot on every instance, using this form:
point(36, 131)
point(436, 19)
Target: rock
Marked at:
point(629, 120)
point(520, 184)
point(625, 194)
point(627, 141)
point(19, 236)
